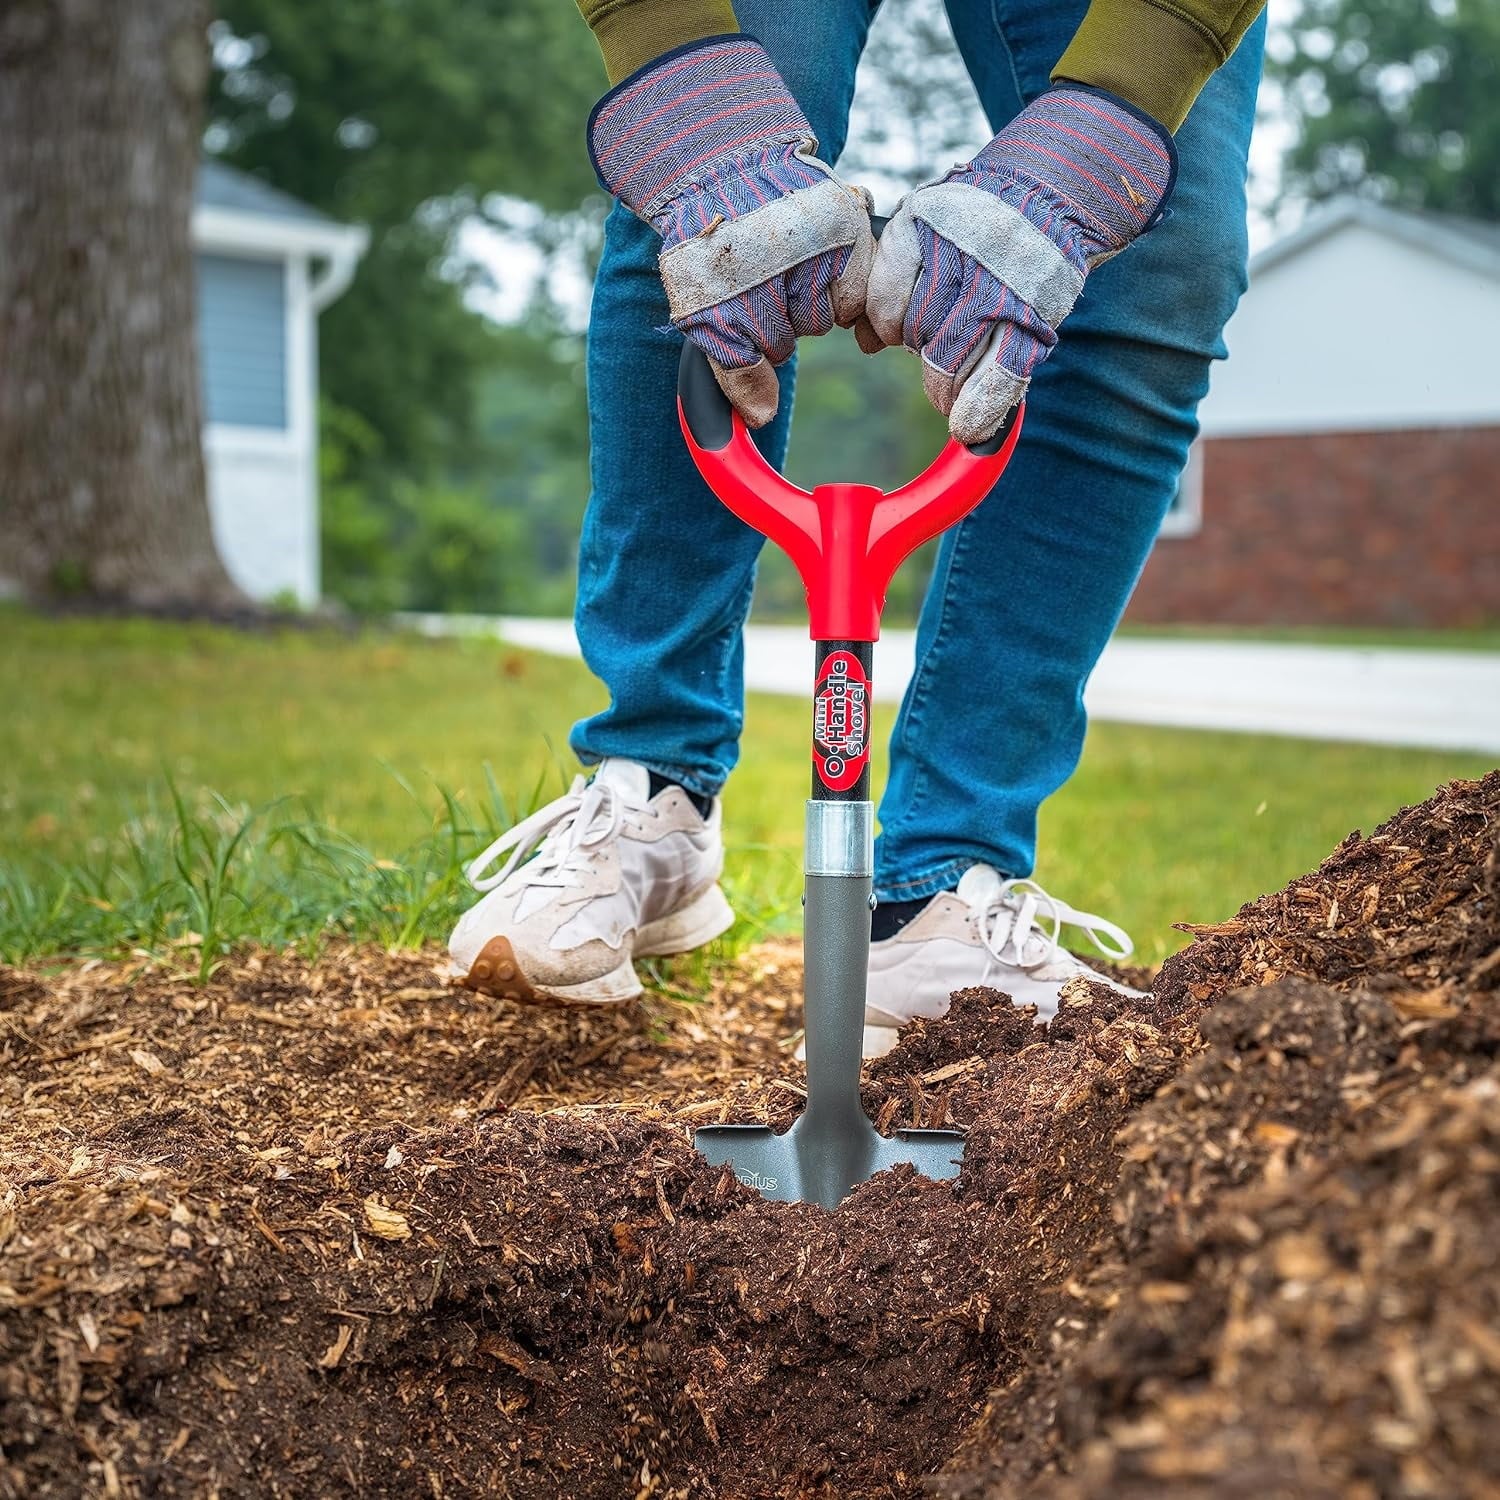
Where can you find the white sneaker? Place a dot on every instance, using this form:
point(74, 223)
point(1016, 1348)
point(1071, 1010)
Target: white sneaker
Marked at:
point(617, 874)
point(1002, 933)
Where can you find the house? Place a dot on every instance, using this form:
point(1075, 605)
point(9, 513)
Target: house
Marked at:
point(1348, 470)
point(267, 265)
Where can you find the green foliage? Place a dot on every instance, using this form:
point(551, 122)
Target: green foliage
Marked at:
point(860, 418)
point(533, 417)
point(435, 549)
point(1399, 99)
point(495, 529)
point(402, 352)
point(196, 877)
point(413, 117)
point(70, 580)
point(203, 851)
point(455, 457)
point(362, 567)
point(466, 555)
point(373, 109)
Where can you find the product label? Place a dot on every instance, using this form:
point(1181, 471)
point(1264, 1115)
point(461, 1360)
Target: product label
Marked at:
point(841, 722)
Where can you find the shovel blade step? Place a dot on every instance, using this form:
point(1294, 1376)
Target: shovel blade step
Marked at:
point(760, 1158)
point(812, 1165)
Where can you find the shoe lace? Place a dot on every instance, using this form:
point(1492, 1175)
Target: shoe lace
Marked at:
point(564, 834)
point(1020, 925)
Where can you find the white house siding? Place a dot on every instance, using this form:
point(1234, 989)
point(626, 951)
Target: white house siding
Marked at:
point(265, 516)
point(1348, 476)
point(1359, 331)
point(267, 266)
point(258, 336)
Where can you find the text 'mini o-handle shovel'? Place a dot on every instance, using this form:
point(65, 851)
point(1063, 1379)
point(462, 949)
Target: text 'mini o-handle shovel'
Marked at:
point(846, 540)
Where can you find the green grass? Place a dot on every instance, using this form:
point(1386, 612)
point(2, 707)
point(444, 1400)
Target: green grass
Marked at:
point(179, 790)
point(1472, 638)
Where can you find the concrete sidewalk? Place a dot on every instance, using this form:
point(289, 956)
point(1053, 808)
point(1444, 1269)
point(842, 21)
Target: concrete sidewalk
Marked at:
point(1444, 700)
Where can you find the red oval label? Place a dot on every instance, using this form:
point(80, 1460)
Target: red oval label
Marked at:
point(841, 721)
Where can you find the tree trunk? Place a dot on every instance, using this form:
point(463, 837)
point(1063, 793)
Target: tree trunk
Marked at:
point(102, 486)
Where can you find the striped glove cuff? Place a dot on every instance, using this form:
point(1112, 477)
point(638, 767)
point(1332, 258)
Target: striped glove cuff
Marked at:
point(679, 120)
point(1112, 167)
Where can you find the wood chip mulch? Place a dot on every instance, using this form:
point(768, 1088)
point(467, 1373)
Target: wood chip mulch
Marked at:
point(336, 1228)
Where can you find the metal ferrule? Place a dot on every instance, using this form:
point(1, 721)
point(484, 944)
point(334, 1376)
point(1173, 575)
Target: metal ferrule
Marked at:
point(840, 838)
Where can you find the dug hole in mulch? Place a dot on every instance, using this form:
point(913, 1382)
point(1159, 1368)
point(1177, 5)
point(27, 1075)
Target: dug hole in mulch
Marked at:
point(336, 1229)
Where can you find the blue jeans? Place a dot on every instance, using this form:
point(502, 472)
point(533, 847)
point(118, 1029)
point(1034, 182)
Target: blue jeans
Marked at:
point(1028, 588)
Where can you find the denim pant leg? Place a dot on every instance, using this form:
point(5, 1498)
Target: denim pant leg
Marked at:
point(665, 573)
point(1029, 587)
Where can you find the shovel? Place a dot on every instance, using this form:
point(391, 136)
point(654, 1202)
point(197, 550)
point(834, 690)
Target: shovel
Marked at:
point(846, 540)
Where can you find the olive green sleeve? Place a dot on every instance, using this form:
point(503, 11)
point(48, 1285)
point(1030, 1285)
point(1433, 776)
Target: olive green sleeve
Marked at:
point(631, 33)
point(1156, 54)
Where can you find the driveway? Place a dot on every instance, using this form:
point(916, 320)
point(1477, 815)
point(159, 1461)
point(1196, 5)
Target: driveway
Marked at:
point(1443, 700)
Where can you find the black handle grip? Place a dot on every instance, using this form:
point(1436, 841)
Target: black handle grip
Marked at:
point(710, 417)
point(705, 408)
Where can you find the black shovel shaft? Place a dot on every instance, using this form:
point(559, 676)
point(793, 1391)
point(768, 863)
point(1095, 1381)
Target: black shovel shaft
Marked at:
point(833, 1147)
point(836, 916)
point(841, 721)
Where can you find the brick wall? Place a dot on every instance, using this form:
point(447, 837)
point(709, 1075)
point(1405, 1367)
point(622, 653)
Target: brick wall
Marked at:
point(1386, 528)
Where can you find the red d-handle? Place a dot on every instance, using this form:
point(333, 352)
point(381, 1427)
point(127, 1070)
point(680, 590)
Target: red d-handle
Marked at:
point(846, 540)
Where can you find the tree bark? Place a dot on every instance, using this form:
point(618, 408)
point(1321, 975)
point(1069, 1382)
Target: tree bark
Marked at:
point(102, 485)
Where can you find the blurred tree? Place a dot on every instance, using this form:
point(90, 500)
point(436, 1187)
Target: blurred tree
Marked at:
point(514, 505)
point(414, 117)
point(363, 565)
point(534, 419)
point(915, 111)
point(466, 553)
point(103, 490)
point(1399, 99)
point(418, 117)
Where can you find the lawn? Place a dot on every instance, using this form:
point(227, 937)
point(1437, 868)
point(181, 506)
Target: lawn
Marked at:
point(184, 788)
point(1368, 637)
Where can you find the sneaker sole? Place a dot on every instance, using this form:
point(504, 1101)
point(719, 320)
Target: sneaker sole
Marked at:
point(496, 972)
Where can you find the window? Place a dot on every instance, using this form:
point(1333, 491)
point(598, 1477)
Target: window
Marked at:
point(1185, 514)
point(242, 340)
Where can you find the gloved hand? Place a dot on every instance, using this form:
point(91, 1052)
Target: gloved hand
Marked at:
point(975, 272)
point(762, 242)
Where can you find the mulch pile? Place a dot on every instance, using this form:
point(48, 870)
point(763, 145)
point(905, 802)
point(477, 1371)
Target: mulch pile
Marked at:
point(336, 1229)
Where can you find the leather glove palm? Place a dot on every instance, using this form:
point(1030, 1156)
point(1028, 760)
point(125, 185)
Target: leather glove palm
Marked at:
point(762, 243)
point(975, 272)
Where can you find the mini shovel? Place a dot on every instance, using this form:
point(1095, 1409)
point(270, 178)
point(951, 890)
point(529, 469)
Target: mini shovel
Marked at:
point(846, 540)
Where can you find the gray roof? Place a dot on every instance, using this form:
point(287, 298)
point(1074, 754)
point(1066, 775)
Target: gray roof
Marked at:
point(220, 186)
point(1486, 236)
point(1470, 243)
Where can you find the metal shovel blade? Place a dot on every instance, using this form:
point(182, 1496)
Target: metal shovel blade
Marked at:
point(822, 1163)
point(832, 1147)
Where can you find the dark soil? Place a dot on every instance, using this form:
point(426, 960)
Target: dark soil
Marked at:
point(338, 1230)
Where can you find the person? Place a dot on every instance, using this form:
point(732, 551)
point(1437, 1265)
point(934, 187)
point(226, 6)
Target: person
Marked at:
point(731, 228)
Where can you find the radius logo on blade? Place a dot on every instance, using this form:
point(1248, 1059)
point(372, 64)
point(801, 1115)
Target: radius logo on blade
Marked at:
point(841, 721)
point(756, 1181)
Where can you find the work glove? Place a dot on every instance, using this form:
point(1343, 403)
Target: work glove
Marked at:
point(761, 242)
point(975, 272)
